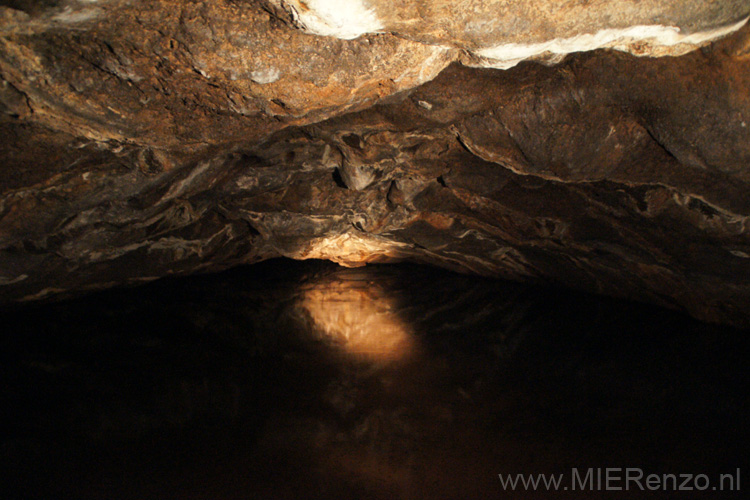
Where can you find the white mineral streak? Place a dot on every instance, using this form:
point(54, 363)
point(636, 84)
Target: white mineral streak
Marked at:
point(430, 67)
point(349, 19)
point(507, 55)
point(72, 16)
point(346, 19)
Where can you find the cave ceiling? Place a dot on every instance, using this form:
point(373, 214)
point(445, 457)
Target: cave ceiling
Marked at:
point(599, 145)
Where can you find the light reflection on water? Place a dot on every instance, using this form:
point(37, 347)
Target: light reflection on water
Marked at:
point(304, 380)
point(358, 317)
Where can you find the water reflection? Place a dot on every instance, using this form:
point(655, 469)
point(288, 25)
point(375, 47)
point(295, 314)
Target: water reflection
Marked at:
point(352, 313)
point(304, 380)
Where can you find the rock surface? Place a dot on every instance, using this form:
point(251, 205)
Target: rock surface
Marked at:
point(141, 140)
point(501, 33)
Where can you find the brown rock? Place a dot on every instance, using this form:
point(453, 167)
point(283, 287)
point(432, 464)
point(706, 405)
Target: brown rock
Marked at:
point(501, 33)
point(141, 140)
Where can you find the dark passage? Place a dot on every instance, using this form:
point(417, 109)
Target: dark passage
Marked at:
point(305, 380)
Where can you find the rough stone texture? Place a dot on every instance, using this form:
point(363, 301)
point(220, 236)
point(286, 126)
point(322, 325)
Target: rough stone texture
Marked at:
point(169, 137)
point(501, 33)
point(177, 74)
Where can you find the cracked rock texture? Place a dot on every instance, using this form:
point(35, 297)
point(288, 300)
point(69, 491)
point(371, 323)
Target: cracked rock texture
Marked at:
point(142, 139)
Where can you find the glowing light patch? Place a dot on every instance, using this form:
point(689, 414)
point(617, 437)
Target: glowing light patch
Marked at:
point(346, 19)
point(352, 249)
point(357, 317)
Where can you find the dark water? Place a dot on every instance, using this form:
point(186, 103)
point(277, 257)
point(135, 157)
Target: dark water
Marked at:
point(305, 380)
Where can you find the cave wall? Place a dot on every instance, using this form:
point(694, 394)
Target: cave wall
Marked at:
point(171, 137)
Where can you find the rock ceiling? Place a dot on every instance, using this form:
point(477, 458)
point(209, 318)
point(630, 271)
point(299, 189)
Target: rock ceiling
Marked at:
point(600, 145)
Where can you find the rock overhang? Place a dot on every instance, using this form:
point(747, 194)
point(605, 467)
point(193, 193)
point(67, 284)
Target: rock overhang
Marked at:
point(177, 137)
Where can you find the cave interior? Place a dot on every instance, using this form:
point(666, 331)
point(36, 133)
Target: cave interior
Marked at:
point(373, 249)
